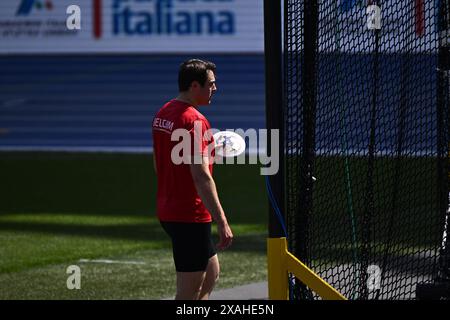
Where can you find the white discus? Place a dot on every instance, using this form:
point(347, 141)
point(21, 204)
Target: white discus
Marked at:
point(229, 144)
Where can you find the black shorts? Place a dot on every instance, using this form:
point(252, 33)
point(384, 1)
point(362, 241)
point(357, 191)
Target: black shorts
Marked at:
point(192, 245)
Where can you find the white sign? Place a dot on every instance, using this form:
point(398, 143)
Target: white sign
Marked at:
point(135, 26)
point(352, 26)
point(403, 26)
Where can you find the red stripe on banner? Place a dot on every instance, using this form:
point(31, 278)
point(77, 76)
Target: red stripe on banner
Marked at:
point(420, 17)
point(97, 19)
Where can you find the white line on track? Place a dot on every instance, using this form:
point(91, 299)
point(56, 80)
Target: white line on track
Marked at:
point(110, 261)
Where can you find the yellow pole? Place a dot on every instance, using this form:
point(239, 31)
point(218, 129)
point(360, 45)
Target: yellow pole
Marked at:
point(280, 261)
point(312, 280)
point(277, 269)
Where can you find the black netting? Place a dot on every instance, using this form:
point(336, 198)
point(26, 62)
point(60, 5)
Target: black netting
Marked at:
point(366, 143)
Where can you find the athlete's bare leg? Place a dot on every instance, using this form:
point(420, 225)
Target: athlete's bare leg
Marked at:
point(189, 285)
point(212, 275)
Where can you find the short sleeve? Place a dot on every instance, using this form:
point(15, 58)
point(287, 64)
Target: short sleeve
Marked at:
point(202, 140)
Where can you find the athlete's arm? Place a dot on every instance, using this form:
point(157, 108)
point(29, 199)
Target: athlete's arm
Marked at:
point(207, 191)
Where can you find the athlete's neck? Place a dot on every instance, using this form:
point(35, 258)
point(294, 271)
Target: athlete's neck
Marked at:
point(184, 97)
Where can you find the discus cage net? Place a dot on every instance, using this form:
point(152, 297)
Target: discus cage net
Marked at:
point(366, 144)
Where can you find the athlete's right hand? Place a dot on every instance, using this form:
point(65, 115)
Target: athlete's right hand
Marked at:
point(225, 236)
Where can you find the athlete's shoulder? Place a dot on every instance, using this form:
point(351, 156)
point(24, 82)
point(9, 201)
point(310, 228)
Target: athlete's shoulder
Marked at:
point(192, 113)
point(189, 114)
point(168, 107)
point(183, 114)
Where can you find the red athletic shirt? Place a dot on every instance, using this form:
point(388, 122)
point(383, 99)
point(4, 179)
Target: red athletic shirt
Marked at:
point(177, 197)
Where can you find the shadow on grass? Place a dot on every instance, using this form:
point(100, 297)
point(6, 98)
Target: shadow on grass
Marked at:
point(408, 260)
point(111, 185)
point(135, 232)
point(255, 242)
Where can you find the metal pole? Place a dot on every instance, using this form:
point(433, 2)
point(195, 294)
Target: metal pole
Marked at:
point(274, 103)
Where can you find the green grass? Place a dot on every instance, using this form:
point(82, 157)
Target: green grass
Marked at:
point(59, 208)
point(153, 279)
point(35, 261)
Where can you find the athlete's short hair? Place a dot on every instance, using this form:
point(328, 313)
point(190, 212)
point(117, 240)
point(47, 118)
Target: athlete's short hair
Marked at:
point(193, 70)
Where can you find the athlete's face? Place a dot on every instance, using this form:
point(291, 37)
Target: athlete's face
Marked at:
point(205, 93)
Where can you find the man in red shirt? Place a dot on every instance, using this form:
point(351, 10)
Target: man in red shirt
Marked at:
point(187, 198)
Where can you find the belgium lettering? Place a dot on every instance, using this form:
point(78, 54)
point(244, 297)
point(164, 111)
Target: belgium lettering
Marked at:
point(187, 151)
